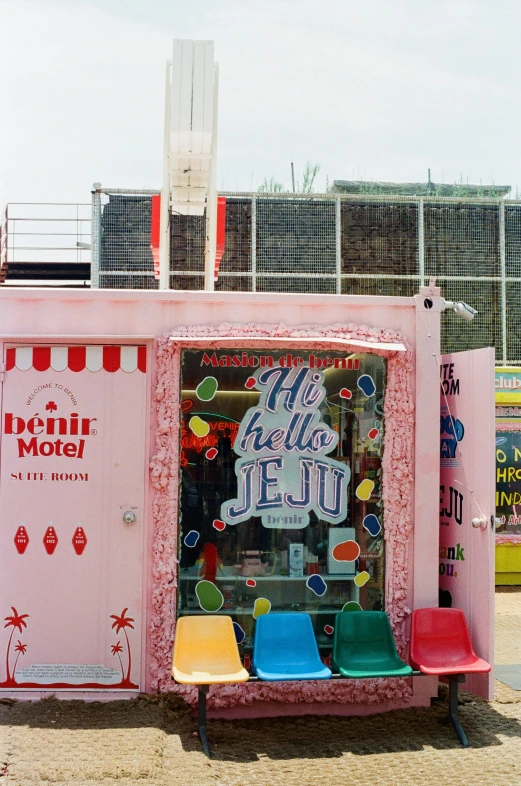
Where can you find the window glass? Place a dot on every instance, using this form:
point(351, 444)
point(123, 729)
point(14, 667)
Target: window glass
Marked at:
point(280, 488)
point(508, 482)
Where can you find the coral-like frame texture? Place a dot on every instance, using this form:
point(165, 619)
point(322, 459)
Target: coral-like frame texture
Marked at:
point(397, 489)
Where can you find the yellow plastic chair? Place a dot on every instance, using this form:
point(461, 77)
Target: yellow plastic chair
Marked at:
point(206, 653)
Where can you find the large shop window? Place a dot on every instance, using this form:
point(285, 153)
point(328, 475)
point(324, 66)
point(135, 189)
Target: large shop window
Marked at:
point(280, 488)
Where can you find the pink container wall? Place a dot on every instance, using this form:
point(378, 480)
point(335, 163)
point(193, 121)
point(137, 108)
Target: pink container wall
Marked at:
point(145, 318)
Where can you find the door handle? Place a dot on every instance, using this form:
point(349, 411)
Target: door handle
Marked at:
point(480, 522)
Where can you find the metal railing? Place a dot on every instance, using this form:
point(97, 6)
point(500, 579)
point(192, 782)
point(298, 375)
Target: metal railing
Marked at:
point(45, 244)
point(337, 244)
point(320, 243)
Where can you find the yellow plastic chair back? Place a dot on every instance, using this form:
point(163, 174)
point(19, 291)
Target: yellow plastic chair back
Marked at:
point(206, 652)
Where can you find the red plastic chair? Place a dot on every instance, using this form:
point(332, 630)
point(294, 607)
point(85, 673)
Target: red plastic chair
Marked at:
point(441, 645)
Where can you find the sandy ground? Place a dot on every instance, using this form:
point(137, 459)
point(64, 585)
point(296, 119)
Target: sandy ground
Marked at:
point(151, 741)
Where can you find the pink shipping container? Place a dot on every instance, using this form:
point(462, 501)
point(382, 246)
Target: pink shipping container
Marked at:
point(155, 462)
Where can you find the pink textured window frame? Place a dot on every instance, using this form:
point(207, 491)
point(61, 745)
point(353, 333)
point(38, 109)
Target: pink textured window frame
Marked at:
point(397, 490)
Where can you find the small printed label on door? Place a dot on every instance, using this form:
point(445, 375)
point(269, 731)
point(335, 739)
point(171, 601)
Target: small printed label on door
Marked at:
point(70, 673)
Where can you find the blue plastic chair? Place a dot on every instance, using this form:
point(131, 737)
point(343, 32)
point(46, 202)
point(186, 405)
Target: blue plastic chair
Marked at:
point(285, 648)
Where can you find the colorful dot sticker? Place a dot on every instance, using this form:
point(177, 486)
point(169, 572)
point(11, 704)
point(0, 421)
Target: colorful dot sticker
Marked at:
point(347, 551)
point(374, 433)
point(206, 390)
point(362, 578)
point(345, 393)
point(191, 538)
point(219, 525)
point(210, 598)
point(211, 453)
point(366, 385)
point(329, 629)
point(250, 383)
point(199, 426)
point(365, 489)
point(316, 584)
point(260, 607)
point(240, 634)
point(351, 605)
point(372, 525)
point(251, 583)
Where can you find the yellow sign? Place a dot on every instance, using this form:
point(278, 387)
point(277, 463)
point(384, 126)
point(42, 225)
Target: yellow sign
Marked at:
point(508, 385)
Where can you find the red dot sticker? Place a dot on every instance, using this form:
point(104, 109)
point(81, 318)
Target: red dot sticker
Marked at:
point(251, 583)
point(347, 551)
point(219, 525)
point(345, 393)
point(211, 453)
point(250, 383)
point(329, 629)
point(373, 433)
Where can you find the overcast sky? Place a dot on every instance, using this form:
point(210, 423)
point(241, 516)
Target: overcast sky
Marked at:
point(372, 89)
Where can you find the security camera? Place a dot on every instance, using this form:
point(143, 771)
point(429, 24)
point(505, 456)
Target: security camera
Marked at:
point(463, 310)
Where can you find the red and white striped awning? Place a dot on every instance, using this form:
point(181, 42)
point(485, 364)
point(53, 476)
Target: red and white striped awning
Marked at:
point(77, 358)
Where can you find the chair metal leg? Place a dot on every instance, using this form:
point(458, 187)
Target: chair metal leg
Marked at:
point(201, 717)
point(453, 709)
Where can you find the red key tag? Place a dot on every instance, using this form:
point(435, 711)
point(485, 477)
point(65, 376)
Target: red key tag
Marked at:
point(79, 541)
point(21, 539)
point(50, 540)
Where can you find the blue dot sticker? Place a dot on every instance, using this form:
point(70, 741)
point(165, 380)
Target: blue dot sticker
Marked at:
point(316, 584)
point(372, 525)
point(240, 635)
point(191, 538)
point(366, 385)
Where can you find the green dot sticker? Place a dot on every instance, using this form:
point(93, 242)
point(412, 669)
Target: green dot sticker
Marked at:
point(206, 389)
point(198, 426)
point(351, 605)
point(261, 606)
point(210, 598)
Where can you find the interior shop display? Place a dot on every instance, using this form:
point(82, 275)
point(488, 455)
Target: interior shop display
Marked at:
point(280, 495)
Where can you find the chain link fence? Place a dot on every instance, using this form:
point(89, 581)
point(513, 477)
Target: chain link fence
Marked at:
point(336, 244)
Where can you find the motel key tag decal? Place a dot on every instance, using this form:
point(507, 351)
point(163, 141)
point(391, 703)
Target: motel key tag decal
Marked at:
point(79, 540)
point(50, 539)
point(21, 539)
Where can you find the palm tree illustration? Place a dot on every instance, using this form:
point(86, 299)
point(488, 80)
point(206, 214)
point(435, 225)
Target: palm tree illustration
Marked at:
point(122, 623)
point(21, 649)
point(116, 649)
point(17, 621)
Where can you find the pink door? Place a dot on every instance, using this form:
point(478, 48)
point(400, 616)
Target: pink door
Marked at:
point(72, 475)
point(467, 498)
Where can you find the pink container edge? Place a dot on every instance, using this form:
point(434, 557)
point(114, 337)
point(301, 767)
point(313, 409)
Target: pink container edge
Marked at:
point(36, 316)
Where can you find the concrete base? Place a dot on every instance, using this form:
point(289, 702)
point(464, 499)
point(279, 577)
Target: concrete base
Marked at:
point(274, 709)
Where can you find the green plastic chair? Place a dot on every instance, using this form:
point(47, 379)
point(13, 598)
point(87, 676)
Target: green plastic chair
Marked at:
point(364, 646)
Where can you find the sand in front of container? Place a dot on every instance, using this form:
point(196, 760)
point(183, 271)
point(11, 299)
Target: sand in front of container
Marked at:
point(151, 740)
